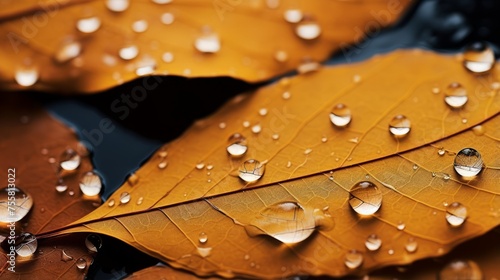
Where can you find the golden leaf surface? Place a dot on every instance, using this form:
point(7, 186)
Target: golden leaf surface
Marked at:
point(237, 39)
point(175, 205)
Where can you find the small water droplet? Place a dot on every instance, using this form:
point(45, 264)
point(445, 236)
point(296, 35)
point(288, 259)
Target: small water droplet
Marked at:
point(133, 179)
point(401, 225)
point(117, 5)
point(263, 111)
point(353, 259)
point(307, 66)
point(128, 52)
point(161, 2)
point(90, 184)
point(456, 213)
point(495, 86)
point(71, 193)
point(365, 198)
point(203, 238)
point(251, 170)
point(354, 140)
point(293, 15)
point(411, 245)
point(478, 130)
point(61, 186)
point(26, 76)
point(246, 257)
point(200, 166)
point(207, 42)
point(93, 242)
point(140, 200)
point(275, 136)
point(81, 263)
point(256, 128)
point(167, 57)
point(286, 95)
point(307, 151)
point(464, 120)
point(124, 198)
point(455, 95)
point(210, 167)
point(222, 125)
point(88, 24)
point(145, 66)
point(390, 252)
point(356, 79)
point(441, 151)
point(246, 124)
point(52, 160)
point(415, 167)
point(373, 242)
point(308, 29)
point(111, 203)
point(26, 244)
point(67, 51)
point(237, 145)
point(478, 58)
point(436, 90)
point(140, 26)
point(340, 115)
point(281, 56)
point(162, 164)
point(167, 18)
point(468, 162)
point(461, 269)
point(399, 126)
point(288, 164)
point(324, 139)
point(446, 177)
point(65, 257)
point(70, 160)
point(14, 212)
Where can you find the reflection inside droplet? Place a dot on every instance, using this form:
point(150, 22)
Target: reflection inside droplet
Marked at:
point(14, 204)
point(399, 126)
point(479, 58)
point(340, 115)
point(468, 162)
point(455, 95)
point(365, 198)
point(251, 170)
point(456, 213)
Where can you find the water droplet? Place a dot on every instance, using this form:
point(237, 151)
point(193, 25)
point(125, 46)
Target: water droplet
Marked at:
point(340, 115)
point(93, 242)
point(256, 128)
point(455, 95)
point(401, 225)
point(167, 57)
point(162, 1)
point(478, 130)
point(81, 263)
point(246, 257)
point(478, 58)
point(307, 66)
point(281, 56)
point(61, 186)
point(441, 152)
point(124, 198)
point(286, 95)
point(70, 160)
point(145, 66)
point(461, 269)
point(67, 51)
point(415, 167)
point(308, 29)
point(140, 200)
point(307, 151)
point(251, 170)
point(411, 245)
point(468, 162)
point(162, 164)
point(90, 184)
point(356, 79)
point(288, 164)
point(373, 242)
point(390, 252)
point(71, 193)
point(246, 124)
point(111, 203)
point(26, 76)
point(140, 26)
point(133, 179)
point(456, 213)
point(204, 252)
point(203, 238)
point(52, 160)
point(22, 204)
point(275, 136)
point(263, 111)
point(88, 24)
point(237, 145)
point(365, 198)
point(399, 126)
point(464, 120)
point(167, 18)
point(324, 139)
point(293, 15)
point(207, 42)
point(26, 244)
point(436, 90)
point(200, 166)
point(128, 52)
point(209, 167)
point(65, 257)
point(117, 5)
point(353, 259)
point(222, 125)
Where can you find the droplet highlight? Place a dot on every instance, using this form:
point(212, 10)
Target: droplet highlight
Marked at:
point(124, 198)
point(455, 96)
point(90, 184)
point(365, 198)
point(251, 170)
point(456, 213)
point(128, 52)
point(202, 238)
point(93, 242)
point(88, 25)
point(293, 15)
point(373, 242)
point(399, 126)
point(81, 264)
point(411, 245)
point(478, 58)
point(353, 259)
point(70, 160)
point(468, 162)
point(67, 51)
point(237, 145)
point(117, 5)
point(26, 76)
point(308, 29)
point(9, 212)
point(340, 116)
point(207, 42)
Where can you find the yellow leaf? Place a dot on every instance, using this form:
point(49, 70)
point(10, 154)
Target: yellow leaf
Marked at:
point(89, 46)
point(195, 213)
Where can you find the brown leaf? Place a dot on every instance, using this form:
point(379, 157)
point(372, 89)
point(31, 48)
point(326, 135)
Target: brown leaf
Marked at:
point(160, 272)
point(44, 38)
point(183, 201)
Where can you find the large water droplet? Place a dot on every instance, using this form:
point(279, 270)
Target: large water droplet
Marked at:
point(365, 198)
point(340, 115)
point(468, 162)
point(251, 170)
point(203, 238)
point(411, 245)
point(67, 51)
point(93, 242)
point(70, 160)
point(26, 244)
point(88, 24)
point(238, 145)
point(455, 95)
point(479, 58)
point(353, 259)
point(399, 126)
point(140, 26)
point(26, 76)
point(65, 257)
point(373, 242)
point(207, 42)
point(81, 263)
point(117, 5)
point(293, 15)
point(456, 213)
point(90, 184)
point(308, 29)
point(124, 198)
point(128, 52)
point(22, 204)
point(461, 270)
